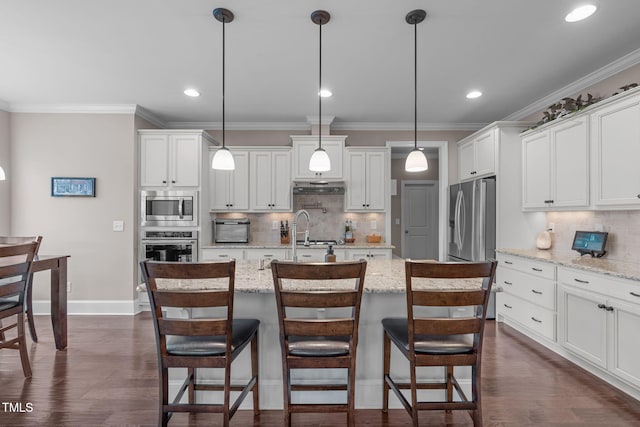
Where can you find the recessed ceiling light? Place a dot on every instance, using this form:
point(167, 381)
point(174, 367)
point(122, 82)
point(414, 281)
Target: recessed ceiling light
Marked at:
point(191, 92)
point(474, 94)
point(580, 13)
point(325, 93)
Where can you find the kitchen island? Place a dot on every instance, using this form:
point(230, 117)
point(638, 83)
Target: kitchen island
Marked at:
point(384, 296)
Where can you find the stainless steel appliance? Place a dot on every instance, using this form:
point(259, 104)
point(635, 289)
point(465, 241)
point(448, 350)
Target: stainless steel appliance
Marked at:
point(231, 230)
point(472, 224)
point(318, 187)
point(169, 208)
point(169, 245)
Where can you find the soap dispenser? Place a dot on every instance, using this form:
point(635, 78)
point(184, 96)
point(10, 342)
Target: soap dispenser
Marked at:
point(330, 256)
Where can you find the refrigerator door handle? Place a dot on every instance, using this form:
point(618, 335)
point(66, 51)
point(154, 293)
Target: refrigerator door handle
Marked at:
point(482, 207)
point(463, 220)
point(456, 222)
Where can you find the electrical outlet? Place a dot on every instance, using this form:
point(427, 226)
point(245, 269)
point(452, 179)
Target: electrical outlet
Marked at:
point(68, 287)
point(118, 225)
point(598, 227)
point(397, 221)
point(552, 227)
point(274, 225)
point(354, 225)
point(374, 224)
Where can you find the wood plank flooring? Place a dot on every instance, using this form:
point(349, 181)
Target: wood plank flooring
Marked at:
point(108, 376)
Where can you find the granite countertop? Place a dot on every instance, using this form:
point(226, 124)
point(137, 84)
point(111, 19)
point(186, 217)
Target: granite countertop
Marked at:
point(615, 268)
point(382, 276)
point(271, 245)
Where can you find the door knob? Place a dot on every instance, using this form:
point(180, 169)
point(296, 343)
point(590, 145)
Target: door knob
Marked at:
point(406, 231)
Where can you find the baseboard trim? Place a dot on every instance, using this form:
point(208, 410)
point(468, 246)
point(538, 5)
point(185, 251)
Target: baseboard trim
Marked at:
point(91, 307)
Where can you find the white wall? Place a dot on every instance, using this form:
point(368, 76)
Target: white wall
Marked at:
point(5, 186)
point(101, 267)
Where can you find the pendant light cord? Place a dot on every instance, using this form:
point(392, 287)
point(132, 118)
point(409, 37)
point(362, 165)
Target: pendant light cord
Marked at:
point(415, 85)
point(319, 89)
point(224, 21)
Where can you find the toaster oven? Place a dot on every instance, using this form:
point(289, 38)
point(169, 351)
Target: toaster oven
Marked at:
point(231, 230)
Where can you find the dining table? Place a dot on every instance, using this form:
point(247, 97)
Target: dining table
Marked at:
point(57, 265)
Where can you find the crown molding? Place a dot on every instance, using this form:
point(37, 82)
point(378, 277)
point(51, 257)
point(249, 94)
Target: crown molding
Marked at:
point(147, 115)
point(406, 126)
point(590, 79)
point(74, 108)
point(296, 126)
point(326, 120)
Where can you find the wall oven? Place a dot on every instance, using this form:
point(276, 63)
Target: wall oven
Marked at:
point(169, 208)
point(169, 245)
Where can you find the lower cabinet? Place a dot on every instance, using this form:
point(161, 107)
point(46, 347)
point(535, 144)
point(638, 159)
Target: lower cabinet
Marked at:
point(221, 254)
point(369, 254)
point(267, 254)
point(317, 255)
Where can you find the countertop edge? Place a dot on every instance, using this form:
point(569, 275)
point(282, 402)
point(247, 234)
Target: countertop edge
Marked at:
point(278, 246)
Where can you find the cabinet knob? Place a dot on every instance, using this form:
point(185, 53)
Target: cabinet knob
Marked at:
point(608, 308)
point(638, 196)
point(173, 181)
point(164, 182)
point(602, 306)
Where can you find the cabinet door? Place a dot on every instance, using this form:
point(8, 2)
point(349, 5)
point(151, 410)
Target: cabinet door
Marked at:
point(615, 135)
point(281, 181)
point(356, 180)
point(239, 182)
point(375, 181)
point(625, 346)
point(260, 180)
point(185, 153)
point(584, 324)
point(484, 154)
point(465, 161)
point(154, 160)
point(536, 171)
point(569, 160)
point(219, 188)
point(303, 150)
point(369, 254)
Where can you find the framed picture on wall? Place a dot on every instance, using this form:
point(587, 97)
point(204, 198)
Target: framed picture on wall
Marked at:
point(73, 187)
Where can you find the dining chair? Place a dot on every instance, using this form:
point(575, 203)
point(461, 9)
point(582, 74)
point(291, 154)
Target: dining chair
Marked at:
point(213, 340)
point(329, 339)
point(442, 340)
point(15, 266)
point(13, 240)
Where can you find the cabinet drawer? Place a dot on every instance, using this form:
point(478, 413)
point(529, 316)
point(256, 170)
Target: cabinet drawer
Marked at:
point(535, 318)
point(221, 254)
point(626, 290)
point(269, 254)
point(534, 289)
point(536, 268)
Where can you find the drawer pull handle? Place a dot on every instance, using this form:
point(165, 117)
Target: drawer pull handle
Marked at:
point(306, 256)
point(634, 294)
point(508, 306)
point(510, 284)
point(602, 306)
point(223, 256)
point(609, 308)
point(508, 262)
point(536, 269)
point(586, 282)
point(536, 320)
point(536, 292)
point(267, 255)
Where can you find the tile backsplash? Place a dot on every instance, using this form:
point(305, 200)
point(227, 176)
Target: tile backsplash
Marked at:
point(623, 243)
point(327, 220)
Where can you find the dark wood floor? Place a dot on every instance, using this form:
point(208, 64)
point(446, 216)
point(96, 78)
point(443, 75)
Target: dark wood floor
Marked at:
point(108, 376)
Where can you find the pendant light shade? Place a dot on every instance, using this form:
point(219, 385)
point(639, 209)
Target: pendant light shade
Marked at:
point(416, 160)
point(320, 161)
point(2, 175)
point(223, 159)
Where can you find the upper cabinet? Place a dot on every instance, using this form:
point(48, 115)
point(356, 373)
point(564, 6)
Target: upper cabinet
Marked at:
point(477, 156)
point(171, 159)
point(555, 166)
point(303, 148)
point(229, 190)
point(365, 179)
point(270, 180)
point(615, 137)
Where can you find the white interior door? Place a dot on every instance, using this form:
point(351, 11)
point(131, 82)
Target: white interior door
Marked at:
point(420, 220)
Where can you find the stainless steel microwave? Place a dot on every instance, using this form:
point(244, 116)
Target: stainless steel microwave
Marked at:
point(169, 208)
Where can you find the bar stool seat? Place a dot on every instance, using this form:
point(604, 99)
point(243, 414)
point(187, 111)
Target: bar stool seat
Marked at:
point(398, 330)
point(318, 346)
point(213, 345)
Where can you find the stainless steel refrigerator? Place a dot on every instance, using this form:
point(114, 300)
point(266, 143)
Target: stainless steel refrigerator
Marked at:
point(472, 224)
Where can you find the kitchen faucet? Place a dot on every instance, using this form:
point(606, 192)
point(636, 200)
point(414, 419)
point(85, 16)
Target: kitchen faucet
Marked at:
point(294, 232)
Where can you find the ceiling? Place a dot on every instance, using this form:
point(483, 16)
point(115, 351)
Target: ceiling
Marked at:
point(146, 52)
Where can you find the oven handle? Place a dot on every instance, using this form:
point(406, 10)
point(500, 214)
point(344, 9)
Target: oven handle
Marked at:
point(167, 242)
point(180, 207)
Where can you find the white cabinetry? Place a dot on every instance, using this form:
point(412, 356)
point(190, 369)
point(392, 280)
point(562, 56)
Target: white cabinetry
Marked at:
point(229, 190)
point(365, 179)
point(369, 254)
point(600, 319)
point(266, 254)
point(555, 166)
point(615, 134)
point(303, 148)
point(171, 159)
point(477, 156)
point(270, 180)
point(528, 294)
point(221, 254)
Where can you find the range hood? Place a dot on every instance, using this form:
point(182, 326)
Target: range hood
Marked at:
point(318, 187)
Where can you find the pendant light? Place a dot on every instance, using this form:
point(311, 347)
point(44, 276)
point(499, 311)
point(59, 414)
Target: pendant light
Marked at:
point(416, 160)
point(223, 159)
point(320, 161)
point(2, 175)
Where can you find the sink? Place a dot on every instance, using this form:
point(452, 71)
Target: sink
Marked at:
point(318, 242)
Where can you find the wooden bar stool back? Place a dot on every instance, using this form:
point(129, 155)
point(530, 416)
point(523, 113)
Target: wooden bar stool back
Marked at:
point(16, 240)
point(209, 341)
point(440, 341)
point(15, 268)
point(326, 339)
